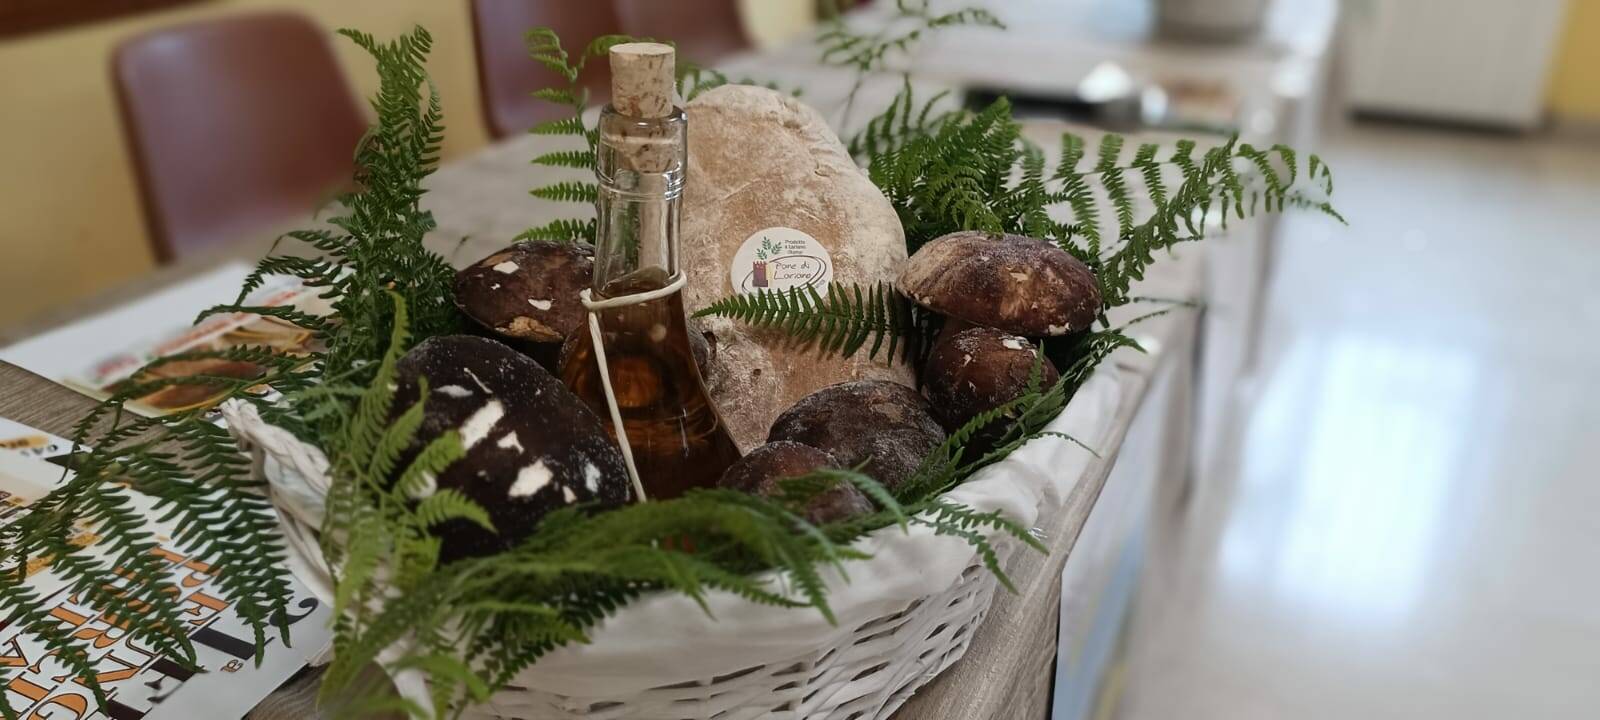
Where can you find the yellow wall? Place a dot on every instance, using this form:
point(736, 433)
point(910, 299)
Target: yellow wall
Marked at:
point(1575, 82)
point(70, 221)
point(772, 22)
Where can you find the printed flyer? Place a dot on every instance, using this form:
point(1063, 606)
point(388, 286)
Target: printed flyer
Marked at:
point(106, 353)
point(140, 684)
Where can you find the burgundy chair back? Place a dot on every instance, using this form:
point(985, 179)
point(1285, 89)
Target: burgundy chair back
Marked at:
point(704, 30)
point(507, 76)
point(235, 126)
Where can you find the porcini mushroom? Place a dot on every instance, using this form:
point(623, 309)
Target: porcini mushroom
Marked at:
point(1017, 284)
point(980, 369)
point(762, 471)
point(886, 425)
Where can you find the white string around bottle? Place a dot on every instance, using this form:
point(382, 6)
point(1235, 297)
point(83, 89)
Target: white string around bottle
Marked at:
point(595, 306)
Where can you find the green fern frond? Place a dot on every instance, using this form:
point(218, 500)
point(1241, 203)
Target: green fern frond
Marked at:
point(561, 126)
point(558, 96)
point(579, 159)
point(942, 468)
point(568, 191)
point(843, 47)
point(841, 323)
point(562, 230)
point(545, 48)
point(395, 439)
point(693, 79)
point(446, 505)
point(428, 464)
point(974, 527)
point(316, 324)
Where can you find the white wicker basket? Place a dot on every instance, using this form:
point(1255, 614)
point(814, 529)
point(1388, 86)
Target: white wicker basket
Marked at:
point(904, 615)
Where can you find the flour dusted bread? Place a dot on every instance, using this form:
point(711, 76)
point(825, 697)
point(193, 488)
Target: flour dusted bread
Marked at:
point(528, 291)
point(532, 446)
point(773, 199)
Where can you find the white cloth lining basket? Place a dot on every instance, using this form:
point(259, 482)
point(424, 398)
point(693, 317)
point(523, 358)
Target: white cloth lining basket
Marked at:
point(904, 615)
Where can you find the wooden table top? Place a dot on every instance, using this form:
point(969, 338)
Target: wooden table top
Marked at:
point(481, 202)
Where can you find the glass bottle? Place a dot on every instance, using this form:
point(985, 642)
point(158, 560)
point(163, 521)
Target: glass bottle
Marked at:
point(677, 440)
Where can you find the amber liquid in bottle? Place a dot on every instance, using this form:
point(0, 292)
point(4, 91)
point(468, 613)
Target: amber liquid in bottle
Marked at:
point(677, 440)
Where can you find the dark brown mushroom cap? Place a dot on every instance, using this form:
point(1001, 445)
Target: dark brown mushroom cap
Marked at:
point(760, 471)
point(980, 369)
point(528, 291)
point(1014, 283)
point(531, 445)
point(886, 425)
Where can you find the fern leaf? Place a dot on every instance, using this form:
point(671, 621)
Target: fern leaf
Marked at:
point(558, 96)
point(568, 191)
point(396, 439)
point(545, 48)
point(562, 230)
point(581, 159)
point(841, 323)
point(561, 126)
point(446, 505)
point(439, 454)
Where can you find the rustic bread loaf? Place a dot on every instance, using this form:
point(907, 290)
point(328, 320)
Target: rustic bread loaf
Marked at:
point(768, 178)
point(531, 445)
point(528, 291)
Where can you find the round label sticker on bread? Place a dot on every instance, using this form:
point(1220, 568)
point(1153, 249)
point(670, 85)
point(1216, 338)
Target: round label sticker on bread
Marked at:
point(780, 259)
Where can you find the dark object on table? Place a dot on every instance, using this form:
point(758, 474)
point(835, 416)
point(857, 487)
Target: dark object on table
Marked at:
point(532, 446)
point(761, 470)
point(1124, 114)
point(1014, 283)
point(235, 126)
point(703, 31)
point(528, 291)
point(980, 369)
point(1107, 97)
point(886, 425)
point(507, 78)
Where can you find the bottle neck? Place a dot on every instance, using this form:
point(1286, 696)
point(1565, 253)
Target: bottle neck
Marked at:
point(640, 166)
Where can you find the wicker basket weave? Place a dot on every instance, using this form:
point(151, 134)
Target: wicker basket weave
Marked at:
point(904, 615)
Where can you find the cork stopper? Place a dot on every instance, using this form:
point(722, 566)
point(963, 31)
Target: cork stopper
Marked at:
point(642, 79)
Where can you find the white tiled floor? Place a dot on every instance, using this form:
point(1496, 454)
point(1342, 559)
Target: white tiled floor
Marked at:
point(1412, 526)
